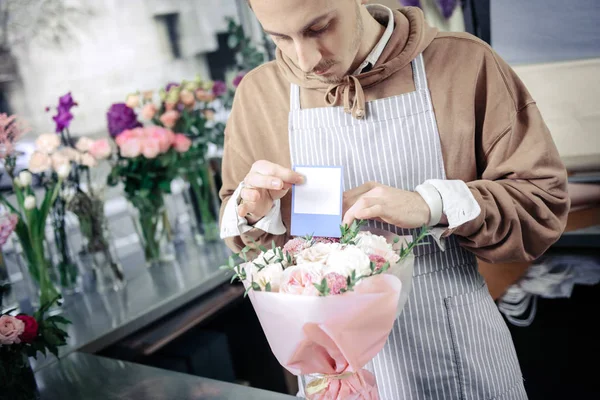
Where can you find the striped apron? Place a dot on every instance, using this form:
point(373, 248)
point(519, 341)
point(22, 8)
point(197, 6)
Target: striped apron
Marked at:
point(450, 342)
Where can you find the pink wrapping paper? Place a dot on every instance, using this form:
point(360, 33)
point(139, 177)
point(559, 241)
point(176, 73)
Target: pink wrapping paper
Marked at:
point(333, 335)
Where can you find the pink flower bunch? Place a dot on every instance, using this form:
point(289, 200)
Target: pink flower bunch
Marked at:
point(295, 246)
point(8, 222)
point(336, 282)
point(378, 260)
point(150, 142)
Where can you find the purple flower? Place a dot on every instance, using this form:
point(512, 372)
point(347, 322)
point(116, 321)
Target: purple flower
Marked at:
point(447, 7)
point(238, 79)
point(62, 119)
point(120, 117)
point(170, 85)
point(66, 102)
point(219, 88)
point(411, 3)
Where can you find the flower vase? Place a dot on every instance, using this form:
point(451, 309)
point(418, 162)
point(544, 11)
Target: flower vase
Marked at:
point(154, 230)
point(35, 270)
point(101, 258)
point(67, 270)
point(16, 376)
point(202, 195)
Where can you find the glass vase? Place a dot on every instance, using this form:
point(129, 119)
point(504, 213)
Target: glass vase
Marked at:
point(154, 230)
point(66, 268)
point(202, 196)
point(16, 376)
point(36, 271)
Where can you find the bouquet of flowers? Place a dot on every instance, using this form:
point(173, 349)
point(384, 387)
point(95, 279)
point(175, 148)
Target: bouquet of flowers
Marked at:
point(148, 159)
point(54, 150)
point(23, 336)
point(31, 217)
point(189, 107)
point(327, 305)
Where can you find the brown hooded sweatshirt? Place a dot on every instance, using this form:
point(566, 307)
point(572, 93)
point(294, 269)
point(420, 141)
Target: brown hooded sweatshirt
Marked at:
point(492, 134)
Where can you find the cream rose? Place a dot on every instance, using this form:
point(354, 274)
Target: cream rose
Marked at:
point(47, 142)
point(39, 162)
point(349, 259)
point(83, 144)
point(25, 178)
point(270, 274)
point(10, 330)
point(317, 253)
point(377, 245)
point(301, 279)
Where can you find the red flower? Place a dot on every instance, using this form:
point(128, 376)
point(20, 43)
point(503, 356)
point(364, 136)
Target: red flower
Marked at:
point(31, 328)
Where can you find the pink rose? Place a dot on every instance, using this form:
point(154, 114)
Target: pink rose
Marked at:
point(83, 144)
point(88, 160)
point(301, 279)
point(164, 137)
point(204, 95)
point(10, 330)
point(169, 119)
point(47, 142)
point(100, 149)
point(148, 111)
point(150, 147)
point(131, 147)
point(39, 162)
point(182, 143)
point(170, 105)
point(187, 97)
point(59, 159)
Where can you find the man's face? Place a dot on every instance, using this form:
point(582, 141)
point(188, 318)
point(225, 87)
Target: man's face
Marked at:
point(322, 37)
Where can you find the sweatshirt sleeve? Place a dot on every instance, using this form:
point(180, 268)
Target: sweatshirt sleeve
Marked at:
point(522, 183)
point(237, 162)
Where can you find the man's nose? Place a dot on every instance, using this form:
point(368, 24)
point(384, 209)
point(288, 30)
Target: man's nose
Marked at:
point(308, 55)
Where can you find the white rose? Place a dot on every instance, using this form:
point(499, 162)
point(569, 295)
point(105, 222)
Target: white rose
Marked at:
point(63, 171)
point(270, 274)
point(272, 257)
point(317, 253)
point(378, 245)
point(349, 259)
point(29, 203)
point(25, 178)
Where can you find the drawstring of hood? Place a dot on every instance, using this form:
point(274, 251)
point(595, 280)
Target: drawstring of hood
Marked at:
point(349, 84)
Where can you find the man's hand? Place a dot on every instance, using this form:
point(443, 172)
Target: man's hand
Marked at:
point(265, 183)
point(398, 207)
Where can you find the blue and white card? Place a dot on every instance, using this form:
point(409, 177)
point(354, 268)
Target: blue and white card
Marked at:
point(317, 203)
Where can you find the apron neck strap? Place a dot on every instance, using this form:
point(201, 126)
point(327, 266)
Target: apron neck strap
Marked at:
point(418, 67)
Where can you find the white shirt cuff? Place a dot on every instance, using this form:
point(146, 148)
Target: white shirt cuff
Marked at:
point(234, 225)
point(458, 204)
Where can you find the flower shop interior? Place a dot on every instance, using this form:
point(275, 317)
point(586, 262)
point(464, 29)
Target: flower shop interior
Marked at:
point(112, 127)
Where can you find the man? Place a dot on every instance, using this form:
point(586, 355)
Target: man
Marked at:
point(432, 128)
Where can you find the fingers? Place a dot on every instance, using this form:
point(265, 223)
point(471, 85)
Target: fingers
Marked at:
point(276, 171)
point(365, 208)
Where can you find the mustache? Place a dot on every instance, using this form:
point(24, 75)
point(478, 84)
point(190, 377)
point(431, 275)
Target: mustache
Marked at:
point(324, 65)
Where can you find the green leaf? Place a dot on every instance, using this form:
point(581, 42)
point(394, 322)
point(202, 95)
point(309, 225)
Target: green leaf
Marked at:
point(268, 287)
point(58, 319)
